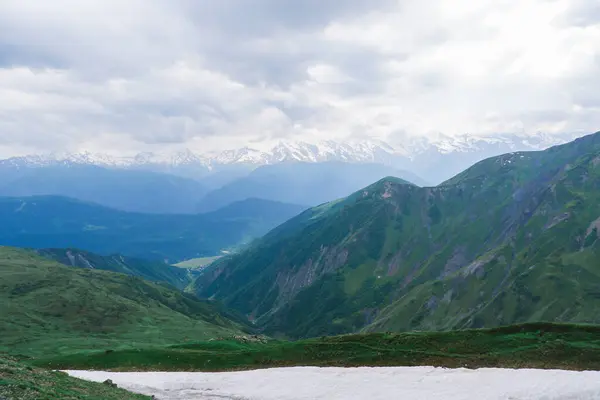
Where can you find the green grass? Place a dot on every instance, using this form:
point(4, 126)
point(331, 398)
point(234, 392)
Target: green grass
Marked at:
point(19, 381)
point(197, 262)
point(47, 308)
point(573, 347)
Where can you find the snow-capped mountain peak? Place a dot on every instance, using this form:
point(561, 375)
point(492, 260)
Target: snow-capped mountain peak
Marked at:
point(412, 153)
point(87, 158)
point(184, 157)
point(329, 150)
point(244, 155)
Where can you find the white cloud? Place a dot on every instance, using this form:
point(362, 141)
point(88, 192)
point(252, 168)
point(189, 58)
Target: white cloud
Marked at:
point(138, 75)
point(324, 74)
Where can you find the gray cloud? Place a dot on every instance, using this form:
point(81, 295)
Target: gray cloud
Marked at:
point(581, 13)
point(145, 74)
point(265, 17)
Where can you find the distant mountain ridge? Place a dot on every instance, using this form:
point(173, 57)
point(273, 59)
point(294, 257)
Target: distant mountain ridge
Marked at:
point(59, 222)
point(420, 155)
point(126, 190)
point(147, 191)
point(304, 183)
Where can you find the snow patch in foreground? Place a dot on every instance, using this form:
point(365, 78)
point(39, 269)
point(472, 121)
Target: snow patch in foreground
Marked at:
point(311, 383)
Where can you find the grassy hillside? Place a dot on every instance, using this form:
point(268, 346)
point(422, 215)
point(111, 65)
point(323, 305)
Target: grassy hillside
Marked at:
point(49, 308)
point(57, 222)
point(524, 346)
point(20, 381)
point(154, 271)
point(513, 239)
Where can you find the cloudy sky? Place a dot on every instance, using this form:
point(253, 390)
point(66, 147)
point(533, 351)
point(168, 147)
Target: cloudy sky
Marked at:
point(131, 75)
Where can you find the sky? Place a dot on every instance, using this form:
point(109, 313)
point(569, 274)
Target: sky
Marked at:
point(140, 75)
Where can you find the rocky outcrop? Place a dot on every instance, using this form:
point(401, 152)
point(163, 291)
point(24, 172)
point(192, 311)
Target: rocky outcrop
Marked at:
point(293, 280)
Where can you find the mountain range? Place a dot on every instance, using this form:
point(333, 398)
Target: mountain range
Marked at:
point(153, 192)
point(126, 190)
point(58, 222)
point(433, 158)
point(304, 183)
point(512, 239)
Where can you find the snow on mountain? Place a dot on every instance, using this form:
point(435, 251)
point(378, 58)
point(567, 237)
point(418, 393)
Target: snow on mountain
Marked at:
point(87, 158)
point(352, 151)
point(364, 151)
point(185, 157)
point(244, 155)
point(414, 153)
point(467, 143)
point(83, 158)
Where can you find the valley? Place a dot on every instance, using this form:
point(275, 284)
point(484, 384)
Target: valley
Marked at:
point(196, 263)
point(494, 268)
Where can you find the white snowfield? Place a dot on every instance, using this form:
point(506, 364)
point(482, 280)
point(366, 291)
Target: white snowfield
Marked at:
point(406, 383)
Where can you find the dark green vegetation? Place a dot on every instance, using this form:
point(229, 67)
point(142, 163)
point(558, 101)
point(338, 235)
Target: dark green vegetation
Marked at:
point(49, 308)
point(512, 239)
point(301, 183)
point(127, 190)
point(57, 222)
point(155, 271)
point(525, 346)
point(19, 381)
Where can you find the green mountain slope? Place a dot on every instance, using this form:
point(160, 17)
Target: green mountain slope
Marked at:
point(58, 222)
point(154, 271)
point(50, 308)
point(512, 239)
